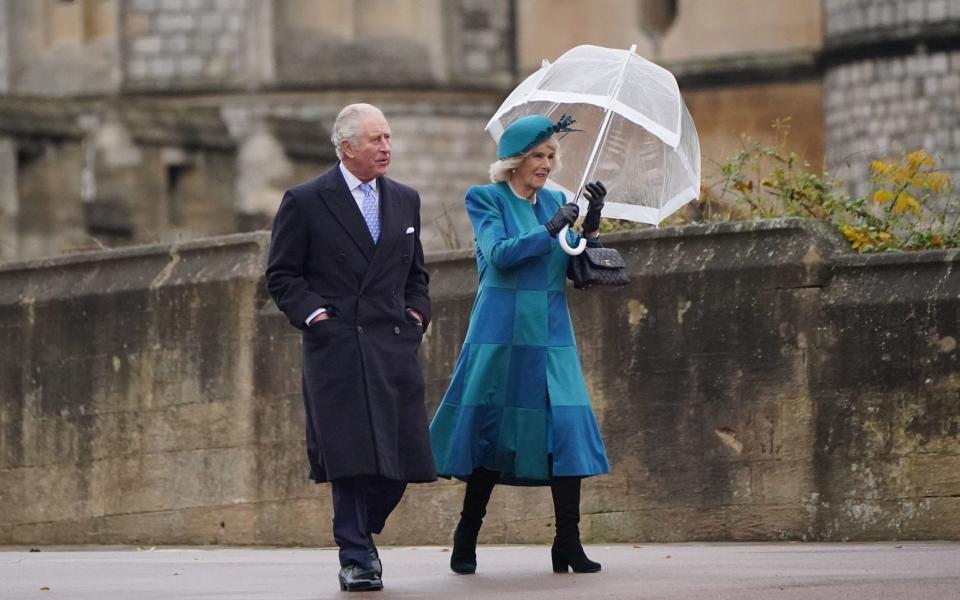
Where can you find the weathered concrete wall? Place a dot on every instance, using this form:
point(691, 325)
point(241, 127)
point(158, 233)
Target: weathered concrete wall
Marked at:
point(753, 382)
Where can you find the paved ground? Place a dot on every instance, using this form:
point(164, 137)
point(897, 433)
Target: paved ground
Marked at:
point(778, 571)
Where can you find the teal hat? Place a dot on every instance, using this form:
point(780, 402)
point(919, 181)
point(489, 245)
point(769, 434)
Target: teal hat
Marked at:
point(524, 134)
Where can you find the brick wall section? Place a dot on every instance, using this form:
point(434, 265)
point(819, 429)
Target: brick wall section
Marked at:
point(895, 101)
point(754, 382)
point(199, 42)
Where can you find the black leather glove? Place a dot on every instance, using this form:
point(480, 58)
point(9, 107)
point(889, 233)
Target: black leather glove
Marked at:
point(594, 193)
point(566, 216)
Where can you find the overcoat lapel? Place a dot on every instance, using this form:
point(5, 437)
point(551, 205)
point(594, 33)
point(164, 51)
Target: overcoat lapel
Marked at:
point(344, 208)
point(390, 224)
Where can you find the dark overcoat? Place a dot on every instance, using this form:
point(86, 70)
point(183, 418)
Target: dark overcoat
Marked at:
point(363, 388)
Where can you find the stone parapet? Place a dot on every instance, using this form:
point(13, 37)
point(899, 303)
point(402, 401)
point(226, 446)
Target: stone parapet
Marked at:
point(755, 381)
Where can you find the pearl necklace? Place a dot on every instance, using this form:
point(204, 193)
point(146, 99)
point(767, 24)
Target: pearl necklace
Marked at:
point(519, 197)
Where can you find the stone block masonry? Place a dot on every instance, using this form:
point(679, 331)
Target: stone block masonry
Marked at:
point(189, 42)
point(755, 381)
point(852, 16)
point(881, 108)
point(4, 46)
point(891, 83)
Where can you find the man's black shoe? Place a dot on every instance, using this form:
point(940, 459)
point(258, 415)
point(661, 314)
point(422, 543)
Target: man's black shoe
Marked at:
point(354, 578)
point(375, 563)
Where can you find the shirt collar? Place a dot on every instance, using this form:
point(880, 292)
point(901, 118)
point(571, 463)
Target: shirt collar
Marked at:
point(352, 181)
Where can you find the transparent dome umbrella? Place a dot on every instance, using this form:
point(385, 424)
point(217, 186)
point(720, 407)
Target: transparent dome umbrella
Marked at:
point(634, 131)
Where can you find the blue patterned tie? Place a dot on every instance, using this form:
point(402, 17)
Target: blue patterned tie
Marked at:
point(371, 211)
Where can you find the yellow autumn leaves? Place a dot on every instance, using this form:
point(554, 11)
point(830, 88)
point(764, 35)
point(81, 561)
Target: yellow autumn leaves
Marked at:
point(862, 240)
point(912, 204)
point(896, 179)
point(904, 192)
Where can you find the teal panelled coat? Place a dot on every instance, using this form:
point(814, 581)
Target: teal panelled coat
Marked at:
point(517, 402)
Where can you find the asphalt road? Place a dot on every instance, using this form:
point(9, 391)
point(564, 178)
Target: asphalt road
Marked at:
point(777, 571)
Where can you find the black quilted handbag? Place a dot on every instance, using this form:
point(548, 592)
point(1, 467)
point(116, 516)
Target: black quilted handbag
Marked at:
point(597, 266)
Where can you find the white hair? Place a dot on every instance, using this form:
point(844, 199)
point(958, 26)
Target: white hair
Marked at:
point(347, 124)
point(500, 170)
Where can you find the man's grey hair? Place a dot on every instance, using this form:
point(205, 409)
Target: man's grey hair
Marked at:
point(500, 170)
point(347, 124)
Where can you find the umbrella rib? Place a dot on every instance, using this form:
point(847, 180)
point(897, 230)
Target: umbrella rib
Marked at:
point(606, 121)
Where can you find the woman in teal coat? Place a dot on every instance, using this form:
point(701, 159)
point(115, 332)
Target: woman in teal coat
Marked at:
point(517, 410)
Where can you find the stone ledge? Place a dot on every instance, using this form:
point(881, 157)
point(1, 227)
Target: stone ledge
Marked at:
point(136, 267)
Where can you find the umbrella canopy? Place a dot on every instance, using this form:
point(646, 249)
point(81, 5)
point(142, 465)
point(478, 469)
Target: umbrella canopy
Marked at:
point(637, 136)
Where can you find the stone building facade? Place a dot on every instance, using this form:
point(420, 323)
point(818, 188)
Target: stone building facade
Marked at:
point(187, 43)
point(188, 118)
point(892, 82)
point(4, 46)
point(131, 121)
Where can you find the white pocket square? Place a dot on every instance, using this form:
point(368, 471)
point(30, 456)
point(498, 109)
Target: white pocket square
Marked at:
point(409, 229)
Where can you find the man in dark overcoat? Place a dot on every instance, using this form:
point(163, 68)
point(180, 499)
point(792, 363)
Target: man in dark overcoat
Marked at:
point(346, 267)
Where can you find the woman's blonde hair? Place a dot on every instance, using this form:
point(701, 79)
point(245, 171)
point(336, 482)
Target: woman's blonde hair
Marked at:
point(500, 170)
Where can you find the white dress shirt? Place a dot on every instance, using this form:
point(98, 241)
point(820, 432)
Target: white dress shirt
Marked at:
point(353, 184)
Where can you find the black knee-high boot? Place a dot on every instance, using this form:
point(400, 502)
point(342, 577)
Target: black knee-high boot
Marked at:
point(567, 550)
point(463, 559)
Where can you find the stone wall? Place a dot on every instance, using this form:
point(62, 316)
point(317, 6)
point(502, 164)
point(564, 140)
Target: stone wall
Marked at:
point(859, 17)
point(186, 43)
point(481, 34)
point(892, 83)
point(4, 46)
point(722, 114)
point(439, 148)
point(755, 381)
point(62, 48)
point(9, 203)
point(88, 174)
point(91, 172)
point(394, 43)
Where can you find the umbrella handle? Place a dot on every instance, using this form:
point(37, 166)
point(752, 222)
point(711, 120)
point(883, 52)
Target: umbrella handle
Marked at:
point(562, 238)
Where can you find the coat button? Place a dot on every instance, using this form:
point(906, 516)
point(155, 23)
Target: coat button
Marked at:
point(396, 331)
point(359, 328)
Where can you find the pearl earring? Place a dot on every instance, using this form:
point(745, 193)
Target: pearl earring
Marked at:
point(513, 170)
